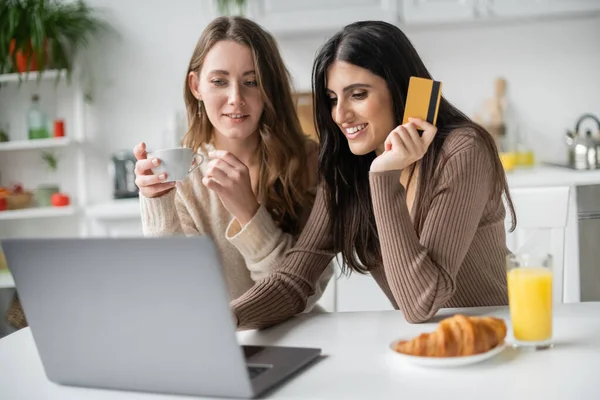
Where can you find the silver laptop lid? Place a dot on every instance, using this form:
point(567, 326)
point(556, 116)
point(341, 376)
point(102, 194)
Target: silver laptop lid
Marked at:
point(147, 314)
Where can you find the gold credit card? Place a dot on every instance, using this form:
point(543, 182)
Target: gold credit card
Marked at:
point(422, 99)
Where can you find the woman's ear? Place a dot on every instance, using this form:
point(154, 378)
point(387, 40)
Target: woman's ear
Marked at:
point(194, 83)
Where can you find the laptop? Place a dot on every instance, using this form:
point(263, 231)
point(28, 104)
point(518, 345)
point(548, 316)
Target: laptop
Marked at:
point(140, 314)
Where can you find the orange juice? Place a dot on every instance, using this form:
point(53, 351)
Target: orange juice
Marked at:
point(508, 160)
point(525, 158)
point(530, 301)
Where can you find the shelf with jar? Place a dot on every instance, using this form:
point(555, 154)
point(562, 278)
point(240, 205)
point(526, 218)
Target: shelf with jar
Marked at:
point(43, 103)
point(38, 212)
point(28, 188)
point(499, 118)
point(19, 77)
point(17, 201)
point(39, 144)
point(32, 186)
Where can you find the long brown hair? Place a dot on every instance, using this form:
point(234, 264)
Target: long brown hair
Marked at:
point(283, 181)
point(384, 50)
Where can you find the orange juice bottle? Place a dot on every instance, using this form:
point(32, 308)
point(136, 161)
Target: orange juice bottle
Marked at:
point(530, 303)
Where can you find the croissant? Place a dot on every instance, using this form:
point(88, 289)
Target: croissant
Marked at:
point(458, 335)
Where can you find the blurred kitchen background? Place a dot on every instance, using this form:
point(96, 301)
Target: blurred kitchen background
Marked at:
point(528, 69)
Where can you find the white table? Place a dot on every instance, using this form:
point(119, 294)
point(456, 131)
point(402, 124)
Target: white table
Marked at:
point(359, 364)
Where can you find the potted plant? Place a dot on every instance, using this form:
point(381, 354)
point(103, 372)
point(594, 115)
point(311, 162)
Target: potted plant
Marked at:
point(42, 34)
point(225, 6)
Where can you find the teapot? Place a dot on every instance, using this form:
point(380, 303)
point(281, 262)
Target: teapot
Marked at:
point(584, 150)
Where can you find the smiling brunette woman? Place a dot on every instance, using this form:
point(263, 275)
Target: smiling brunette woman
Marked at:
point(423, 215)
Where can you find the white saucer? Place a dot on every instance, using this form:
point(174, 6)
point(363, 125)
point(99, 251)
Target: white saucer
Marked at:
point(448, 362)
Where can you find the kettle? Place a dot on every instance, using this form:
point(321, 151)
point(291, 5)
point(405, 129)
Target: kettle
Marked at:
point(584, 150)
point(121, 169)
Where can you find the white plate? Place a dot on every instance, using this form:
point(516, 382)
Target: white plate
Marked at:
point(448, 362)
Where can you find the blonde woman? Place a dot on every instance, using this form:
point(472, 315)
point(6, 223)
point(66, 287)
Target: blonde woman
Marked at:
point(254, 192)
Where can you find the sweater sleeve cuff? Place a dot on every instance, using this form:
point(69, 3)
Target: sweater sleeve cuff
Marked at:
point(156, 212)
point(254, 240)
point(385, 182)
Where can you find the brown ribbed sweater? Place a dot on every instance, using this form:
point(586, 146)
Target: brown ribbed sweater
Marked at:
point(458, 261)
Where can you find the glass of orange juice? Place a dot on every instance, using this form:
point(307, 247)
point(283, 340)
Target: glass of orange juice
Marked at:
point(530, 299)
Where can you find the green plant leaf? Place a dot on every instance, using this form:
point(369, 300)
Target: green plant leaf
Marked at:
point(225, 6)
point(52, 30)
point(51, 160)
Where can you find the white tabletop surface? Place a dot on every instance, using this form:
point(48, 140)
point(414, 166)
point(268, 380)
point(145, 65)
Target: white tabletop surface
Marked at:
point(360, 365)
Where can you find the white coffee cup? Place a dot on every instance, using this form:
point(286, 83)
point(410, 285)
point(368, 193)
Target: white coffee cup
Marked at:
point(176, 163)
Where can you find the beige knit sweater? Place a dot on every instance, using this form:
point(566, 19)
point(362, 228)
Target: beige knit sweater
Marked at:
point(247, 254)
point(457, 261)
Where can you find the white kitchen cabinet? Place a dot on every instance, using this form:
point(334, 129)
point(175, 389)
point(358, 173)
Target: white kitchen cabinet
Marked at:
point(537, 8)
point(286, 17)
point(415, 12)
point(542, 221)
point(358, 293)
point(434, 11)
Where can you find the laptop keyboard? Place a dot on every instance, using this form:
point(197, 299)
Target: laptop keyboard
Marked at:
point(256, 371)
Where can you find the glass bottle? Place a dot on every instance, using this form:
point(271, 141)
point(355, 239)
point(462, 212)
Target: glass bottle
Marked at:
point(525, 157)
point(37, 120)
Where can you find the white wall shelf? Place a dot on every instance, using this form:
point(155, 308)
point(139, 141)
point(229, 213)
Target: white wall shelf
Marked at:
point(40, 212)
point(6, 279)
point(32, 76)
point(66, 99)
point(35, 144)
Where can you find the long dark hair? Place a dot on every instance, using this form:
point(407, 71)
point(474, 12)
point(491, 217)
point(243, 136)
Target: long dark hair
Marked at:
point(384, 50)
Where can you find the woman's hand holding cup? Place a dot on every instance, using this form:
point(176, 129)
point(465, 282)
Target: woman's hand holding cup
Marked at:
point(150, 185)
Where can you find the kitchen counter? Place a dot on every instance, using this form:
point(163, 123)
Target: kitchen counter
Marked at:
point(548, 175)
point(547, 210)
point(358, 363)
point(540, 175)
